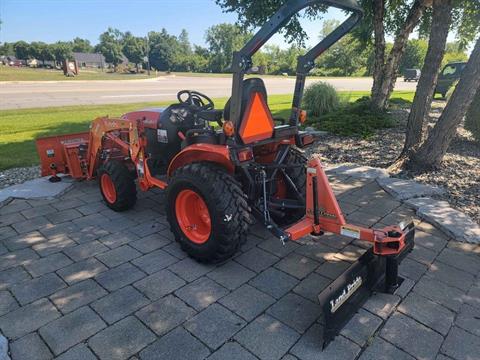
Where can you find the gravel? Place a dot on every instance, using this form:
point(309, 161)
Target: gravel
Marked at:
point(459, 175)
point(18, 175)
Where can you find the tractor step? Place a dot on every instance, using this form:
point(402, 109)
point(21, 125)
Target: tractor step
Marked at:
point(370, 273)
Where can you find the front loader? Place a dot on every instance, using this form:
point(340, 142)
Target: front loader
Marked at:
point(246, 165)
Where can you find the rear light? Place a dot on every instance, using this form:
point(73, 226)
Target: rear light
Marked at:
point(228, 128)
point(245, 155)
point(302, 116)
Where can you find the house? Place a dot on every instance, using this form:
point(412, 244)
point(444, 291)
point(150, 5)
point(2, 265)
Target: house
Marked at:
point(88, 60)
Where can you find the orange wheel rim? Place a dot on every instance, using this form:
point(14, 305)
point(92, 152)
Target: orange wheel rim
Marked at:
point(193, 216)
point(108, 188)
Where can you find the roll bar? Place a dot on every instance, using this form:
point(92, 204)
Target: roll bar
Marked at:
point(242, 60)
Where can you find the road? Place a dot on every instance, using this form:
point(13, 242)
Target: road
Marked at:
point(18, 95)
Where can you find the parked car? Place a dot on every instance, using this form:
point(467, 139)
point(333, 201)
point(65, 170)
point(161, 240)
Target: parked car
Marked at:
point(448, 76)
point(411, 74)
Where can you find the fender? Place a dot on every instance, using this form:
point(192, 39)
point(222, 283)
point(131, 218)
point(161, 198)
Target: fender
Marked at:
point(218, 154)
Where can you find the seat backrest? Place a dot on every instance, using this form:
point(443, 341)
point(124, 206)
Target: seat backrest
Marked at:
point(250, 86)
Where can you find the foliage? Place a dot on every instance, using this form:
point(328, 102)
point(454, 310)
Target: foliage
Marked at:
point(472, 119)
point(134, 48)
point(111, 46)
point(6, 49)
point(414, 55)
point(81, 45)
point(62, 50)
point(22, 50)
point(353, 119)
point(163, 49)
point(320, 98)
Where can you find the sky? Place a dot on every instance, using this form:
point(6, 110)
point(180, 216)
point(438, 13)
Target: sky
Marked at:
point(53, 20)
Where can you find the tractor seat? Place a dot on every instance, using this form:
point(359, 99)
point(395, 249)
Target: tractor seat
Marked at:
point(250, 86)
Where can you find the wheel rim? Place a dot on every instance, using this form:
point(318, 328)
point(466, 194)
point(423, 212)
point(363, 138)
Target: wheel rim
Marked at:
point(108, 188)
point(193, 216)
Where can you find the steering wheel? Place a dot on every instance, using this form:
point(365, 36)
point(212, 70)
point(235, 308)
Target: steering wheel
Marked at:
point(195, 98)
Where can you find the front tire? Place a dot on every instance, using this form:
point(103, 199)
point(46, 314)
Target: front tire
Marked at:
point(207, 211)
point(117, 185)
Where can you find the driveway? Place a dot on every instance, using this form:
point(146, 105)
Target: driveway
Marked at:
point(17, 95)
point(79, 281)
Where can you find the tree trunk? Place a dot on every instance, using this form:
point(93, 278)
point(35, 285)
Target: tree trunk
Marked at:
point(441, 19)
point(432, 151)
point(385, 87)
point(379, 31)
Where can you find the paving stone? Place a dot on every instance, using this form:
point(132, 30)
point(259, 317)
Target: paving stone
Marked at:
point(403, 189)
point(201, 293)
point(189, 269)
point(247, 302)
point(332, 241)
point(47, 264)
point(147, 228)
point(12, 276)
point(467, 249)
point(379, 349)
point(154, 261)
point(23, 241)
point(77, 295)
point(175, 250)
point(457, 259)
point(332, 269)
point(214, 325)
point(411, 269)
point(96, 220)
point(350, 253)
point(422, 255)
point(51, 231)
point(85, 250)
point(356, 171)
point(67, 204)
point(231, 351)
point(88, 234)
point(38, 211)
point(82, 270)
point(253, 240)
point(31, 290)
point(441, 293)
point(427, 312)
point(473, 297)
point(469, 319)
point(121, 340)
point(3, 249)
point(274, 282)
point(91, 208)
point(405, 287)
point(6, 232)
point(119, 304)
point(28, 318)
point(361, 327)
point(30, 347)
point(317, 251)
point(309, 347)
point(14, 218)
point(119, 276)
point(63, 216)
point(311, 286)
point(165, 314)
point(297, 265)
point(78, 352)
point(16, 205)
point(150, 243)
point(118, 239)
point(361, 217)
point(295, 311)
point(231, 275)
point(179, 344)
point(159, 284)
point(275, 246)
point(461, 345)
point(53, 246)
point(267, 338)
point(450, 276)
point(7, 302)
point(429, 241)
point(117, 256)
point(71, 329)
point(411, 336)
point(381, 304)
point(16, 258)
point(256, 259)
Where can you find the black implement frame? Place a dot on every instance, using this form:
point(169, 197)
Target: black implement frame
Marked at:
point(242, 60)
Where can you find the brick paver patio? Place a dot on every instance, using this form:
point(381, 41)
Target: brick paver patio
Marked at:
point(79, 281)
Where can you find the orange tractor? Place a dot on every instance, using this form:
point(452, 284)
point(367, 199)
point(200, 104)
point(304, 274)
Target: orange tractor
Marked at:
point(217, 178)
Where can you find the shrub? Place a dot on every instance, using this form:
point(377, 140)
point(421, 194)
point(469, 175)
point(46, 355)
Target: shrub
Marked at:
point(354, 119)
point(472, 119)
point(320, 98)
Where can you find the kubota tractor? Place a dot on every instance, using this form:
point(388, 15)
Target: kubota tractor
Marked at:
point(217, 178)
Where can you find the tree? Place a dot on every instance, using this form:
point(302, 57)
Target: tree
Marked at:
point(111, 46)
point(6, 49)
point(47, 53)
point(36, 49)
point(134, 48)
point(441, 19)
point(223, 40)
point(431, 152)
point(22, 50)
point(62, 51)
point(163, 50)
point(81, 45)
point(414, 56)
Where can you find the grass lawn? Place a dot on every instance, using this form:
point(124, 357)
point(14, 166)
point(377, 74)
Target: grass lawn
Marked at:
point(10, 73)
point(20, 128)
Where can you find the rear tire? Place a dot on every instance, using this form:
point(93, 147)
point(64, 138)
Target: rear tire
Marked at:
point(228, 215)
point(117, 185)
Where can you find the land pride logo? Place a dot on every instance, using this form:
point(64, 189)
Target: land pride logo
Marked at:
point(346, 293)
